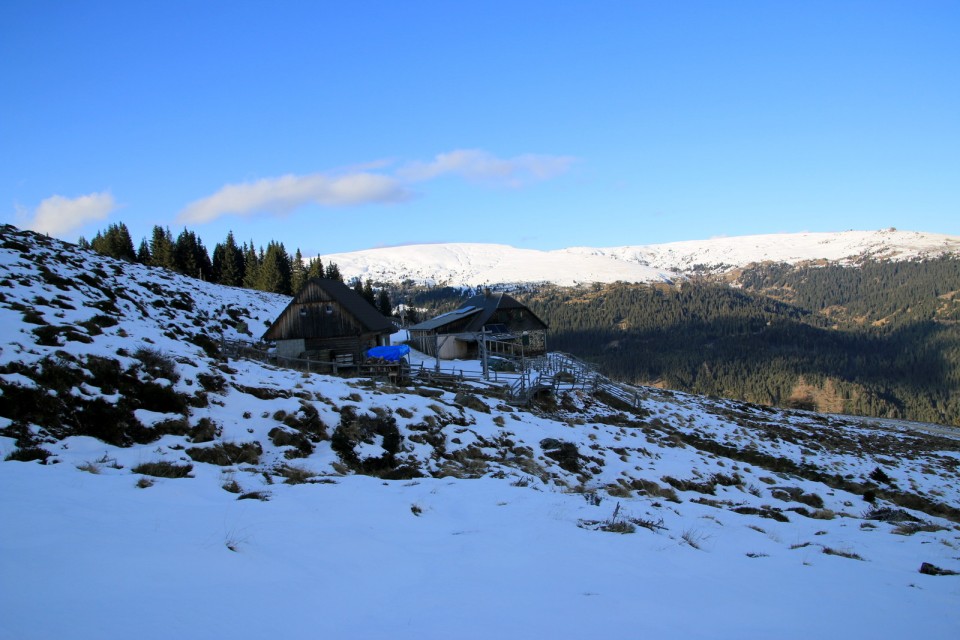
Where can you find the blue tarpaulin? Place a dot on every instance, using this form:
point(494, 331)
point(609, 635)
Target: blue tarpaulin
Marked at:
point(390, 354)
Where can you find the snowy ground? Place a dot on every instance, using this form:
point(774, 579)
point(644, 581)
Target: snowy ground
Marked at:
point(502, 536)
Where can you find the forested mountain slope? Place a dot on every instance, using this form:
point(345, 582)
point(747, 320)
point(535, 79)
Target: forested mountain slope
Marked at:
point(878, 339)
point(881, 339)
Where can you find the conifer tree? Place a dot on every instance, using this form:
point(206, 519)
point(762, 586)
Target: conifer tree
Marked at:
point(191, 257)
point(368, 294)
point(228, 262)
point(275, 272)
point(383, 304)
point(315, 269)
point(298, 272)
point(115, 242)
point(333, 272)
point(161, 248)
point(143, 253)
point(251, 266)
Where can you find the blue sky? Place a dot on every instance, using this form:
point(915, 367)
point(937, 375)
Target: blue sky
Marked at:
point(336, 126)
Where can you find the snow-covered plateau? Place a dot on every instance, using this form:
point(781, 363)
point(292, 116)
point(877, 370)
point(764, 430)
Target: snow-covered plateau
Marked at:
point(152, 488)
point(474, 264)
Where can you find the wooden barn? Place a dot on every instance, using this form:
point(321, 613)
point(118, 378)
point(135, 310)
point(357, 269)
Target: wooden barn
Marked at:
point(501, 322)
point(329, 321)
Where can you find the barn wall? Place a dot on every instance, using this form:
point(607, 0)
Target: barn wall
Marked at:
point(451, 348)
point(290, 348)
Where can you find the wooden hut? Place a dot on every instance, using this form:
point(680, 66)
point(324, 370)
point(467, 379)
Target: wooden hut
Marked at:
point(329, 321)
point(500, 321)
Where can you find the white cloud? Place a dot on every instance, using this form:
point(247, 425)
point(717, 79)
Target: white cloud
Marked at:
point(58, 215)
point(370, 183)
point(482, 166)
point(286, 193)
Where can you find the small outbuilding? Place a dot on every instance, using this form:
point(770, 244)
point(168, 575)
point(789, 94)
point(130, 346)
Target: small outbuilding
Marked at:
point(330, 322)
point(495, 321)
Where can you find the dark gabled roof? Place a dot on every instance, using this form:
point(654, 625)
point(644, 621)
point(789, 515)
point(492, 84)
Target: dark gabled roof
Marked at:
point(444, 319)
point(479, 308)
point(353, 303)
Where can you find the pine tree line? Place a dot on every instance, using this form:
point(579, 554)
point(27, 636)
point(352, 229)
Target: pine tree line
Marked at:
point(272, 269)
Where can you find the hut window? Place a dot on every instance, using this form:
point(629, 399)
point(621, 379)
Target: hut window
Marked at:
point(303, 312)
point(329, 309)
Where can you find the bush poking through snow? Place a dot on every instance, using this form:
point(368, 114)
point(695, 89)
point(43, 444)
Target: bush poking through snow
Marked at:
point(227, 453)
point(232, 486)
point(830, 551)
point(164, 469)
point(933, 570)
point(357, 433)
point(565, 453)
point(206, 430)
point(295, 475)
point(157, 364)
point(262, 496)
point(28, 454)
point(910, 528)
point(694, 537)
point(471, 401)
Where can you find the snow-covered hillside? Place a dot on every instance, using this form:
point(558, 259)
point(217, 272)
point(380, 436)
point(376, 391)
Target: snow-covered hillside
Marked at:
point(151, 488)
point(489, 264)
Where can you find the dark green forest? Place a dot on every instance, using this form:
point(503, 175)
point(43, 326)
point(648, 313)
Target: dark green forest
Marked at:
point(881, 339)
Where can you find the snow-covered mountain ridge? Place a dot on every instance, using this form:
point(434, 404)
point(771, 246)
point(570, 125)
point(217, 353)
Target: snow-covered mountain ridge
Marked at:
point(151, 487)
point(473, 264)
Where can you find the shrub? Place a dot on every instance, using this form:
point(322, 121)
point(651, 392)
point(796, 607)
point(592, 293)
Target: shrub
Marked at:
point(31, 316)
point(280, 437)
point(653, 489)
point(709, 487)
point(204, 431)
point(227, 453)
point(565, 453)
point(28, 454)
point(471, 401)
point(842, 553)
point(933, 570)
point(306, 420)
point(262, 496)
point(157, 364)
point(164, 469)
point(212, 382)
point(878, 475)
point(910, 528)
point(89, 467)
point(295, 475)
point(355, 429)
point(210, 346)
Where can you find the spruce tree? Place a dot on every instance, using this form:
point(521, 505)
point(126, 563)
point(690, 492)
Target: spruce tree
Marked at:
point(315, 269)
point(115, 242)
point(161, 248)
point(298, 272)
point(275, 273)
point(368, 294)
point(251, 266)
point(333, 272)
point(143, 253)
point(383, 304)
point(231, 263)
